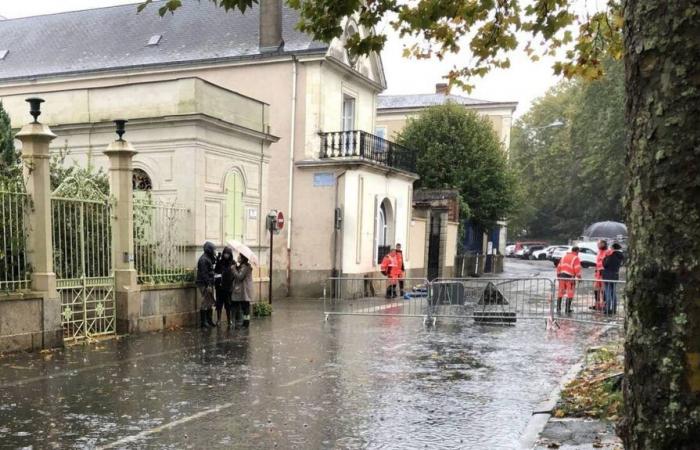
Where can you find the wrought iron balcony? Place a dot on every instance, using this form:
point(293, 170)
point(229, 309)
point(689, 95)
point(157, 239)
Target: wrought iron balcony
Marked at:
point(357, 144)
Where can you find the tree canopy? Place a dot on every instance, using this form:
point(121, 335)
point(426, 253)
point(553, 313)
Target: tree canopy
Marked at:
point(457, 148)
point(491, 29)
point(573, 174)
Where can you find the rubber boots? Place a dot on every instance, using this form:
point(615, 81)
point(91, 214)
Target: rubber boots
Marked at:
point(559, 305)
point(569, 309)
point(246, 321)
point(210, 318)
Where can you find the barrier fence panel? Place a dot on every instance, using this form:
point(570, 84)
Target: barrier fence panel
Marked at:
point(485, 300)
point(491, 300)
point(376, 297)
point(160, 243)
point(82, 251)
point(14, 267)
point(593, 301)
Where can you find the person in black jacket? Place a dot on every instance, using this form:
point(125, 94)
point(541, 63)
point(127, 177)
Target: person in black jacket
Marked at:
point(611, 273)
point(205, 284)
point(223, 273)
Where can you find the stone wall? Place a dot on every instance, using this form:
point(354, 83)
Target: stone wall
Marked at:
point(21, 324)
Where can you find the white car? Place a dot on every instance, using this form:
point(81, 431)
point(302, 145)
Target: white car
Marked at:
point(586, 255)
point(546, 253)
point(510, 250)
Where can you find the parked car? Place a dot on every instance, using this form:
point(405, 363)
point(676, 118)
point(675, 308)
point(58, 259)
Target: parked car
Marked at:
point(546, 253)
point(585, 254)
point(530, 249)
point(520, 245)
point(510, 250)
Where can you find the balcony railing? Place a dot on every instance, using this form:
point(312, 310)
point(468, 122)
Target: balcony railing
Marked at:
point(357, 144)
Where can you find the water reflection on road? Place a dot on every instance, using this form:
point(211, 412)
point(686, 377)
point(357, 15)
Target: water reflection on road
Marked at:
point(289, 382)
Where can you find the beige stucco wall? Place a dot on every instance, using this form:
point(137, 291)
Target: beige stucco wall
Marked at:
point(451, 244)
point(418, 244)
point(364, 192)
point(501, 119)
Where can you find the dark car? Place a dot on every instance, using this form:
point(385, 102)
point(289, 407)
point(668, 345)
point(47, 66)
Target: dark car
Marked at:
point(527, 254)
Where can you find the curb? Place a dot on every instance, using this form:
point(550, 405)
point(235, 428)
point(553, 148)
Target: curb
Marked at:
point(537, 422)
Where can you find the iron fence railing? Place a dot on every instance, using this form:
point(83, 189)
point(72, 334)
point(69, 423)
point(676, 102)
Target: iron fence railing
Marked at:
point(14, 266)
point(358, 144)
point(160, 242)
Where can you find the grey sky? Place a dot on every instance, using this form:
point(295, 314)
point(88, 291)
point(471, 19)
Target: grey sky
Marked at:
point(522, 83)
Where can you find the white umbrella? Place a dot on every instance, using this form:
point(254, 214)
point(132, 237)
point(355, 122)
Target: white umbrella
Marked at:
point(244, 250)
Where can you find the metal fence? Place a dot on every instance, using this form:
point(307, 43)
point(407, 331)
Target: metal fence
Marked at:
point(160, 243)
point(485, 300)
point(14, 267)
point(376, 297)
point(82, 254)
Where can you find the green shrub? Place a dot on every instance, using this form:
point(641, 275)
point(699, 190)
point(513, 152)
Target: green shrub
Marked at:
point(262, 309)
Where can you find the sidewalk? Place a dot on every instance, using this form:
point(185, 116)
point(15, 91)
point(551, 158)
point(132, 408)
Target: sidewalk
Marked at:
point(588, 405)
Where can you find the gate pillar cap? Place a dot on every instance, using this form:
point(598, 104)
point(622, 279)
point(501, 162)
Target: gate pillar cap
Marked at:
point(37, 131)
point(120, 148)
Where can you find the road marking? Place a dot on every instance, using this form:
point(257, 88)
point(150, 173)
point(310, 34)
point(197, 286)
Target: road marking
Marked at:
point(145, 433)
point(167, 426)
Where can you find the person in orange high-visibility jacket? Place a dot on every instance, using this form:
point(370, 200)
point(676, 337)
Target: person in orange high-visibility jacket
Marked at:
point(391, 268)
point(568, 269)
point(598, 291)
point(399, 262)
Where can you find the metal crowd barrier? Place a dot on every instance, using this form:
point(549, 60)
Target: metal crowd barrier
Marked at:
point(485, 300)
point(587, 306)
point(376, 297)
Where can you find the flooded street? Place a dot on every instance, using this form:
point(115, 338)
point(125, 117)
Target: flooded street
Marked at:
point(292, 381)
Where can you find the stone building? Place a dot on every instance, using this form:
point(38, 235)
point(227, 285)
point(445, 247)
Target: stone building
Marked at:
point(234, 115)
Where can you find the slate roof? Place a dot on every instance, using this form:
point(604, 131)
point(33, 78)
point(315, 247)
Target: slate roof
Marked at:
point(115, 37)
point(425, 100)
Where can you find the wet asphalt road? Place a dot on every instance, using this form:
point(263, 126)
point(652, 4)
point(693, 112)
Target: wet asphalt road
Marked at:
point(291, 381)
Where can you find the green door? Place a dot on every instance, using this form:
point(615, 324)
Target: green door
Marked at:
point(234, 224)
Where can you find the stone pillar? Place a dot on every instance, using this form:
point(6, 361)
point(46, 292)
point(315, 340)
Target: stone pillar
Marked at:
point(35, 138)
point(127, 291)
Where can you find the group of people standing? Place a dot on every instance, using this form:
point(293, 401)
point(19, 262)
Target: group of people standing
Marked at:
point(607, 273)
point(393, 268)
point(224, 283)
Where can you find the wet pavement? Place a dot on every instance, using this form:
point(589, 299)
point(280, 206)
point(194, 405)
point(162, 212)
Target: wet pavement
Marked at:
point(292, 381)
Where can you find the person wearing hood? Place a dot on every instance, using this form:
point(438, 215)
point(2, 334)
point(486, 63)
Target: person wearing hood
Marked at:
point(223, 272)
point(205, 284)
point(243, 288)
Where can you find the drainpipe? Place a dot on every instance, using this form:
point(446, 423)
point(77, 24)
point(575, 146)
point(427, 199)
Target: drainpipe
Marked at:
point(336, 270)
point(290, 203)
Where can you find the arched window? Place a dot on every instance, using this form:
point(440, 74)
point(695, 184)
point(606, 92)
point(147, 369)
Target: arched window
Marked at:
point(234, 223)
point(385, 229)
point(141, 184)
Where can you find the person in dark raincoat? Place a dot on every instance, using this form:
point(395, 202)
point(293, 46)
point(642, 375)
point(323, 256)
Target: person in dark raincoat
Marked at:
point(223, 271)
point(243, 289)
point(205, 284)
point(611, 273)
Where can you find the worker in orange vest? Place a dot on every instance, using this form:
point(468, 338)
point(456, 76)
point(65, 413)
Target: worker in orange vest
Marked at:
point(598, 291)
point(399, 262)
point(391, 269)
point(568, 269)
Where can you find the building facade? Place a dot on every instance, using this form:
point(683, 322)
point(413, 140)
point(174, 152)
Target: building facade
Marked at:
point(312, 154)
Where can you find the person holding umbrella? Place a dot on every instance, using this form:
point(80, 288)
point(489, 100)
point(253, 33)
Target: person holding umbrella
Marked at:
point(242, 294)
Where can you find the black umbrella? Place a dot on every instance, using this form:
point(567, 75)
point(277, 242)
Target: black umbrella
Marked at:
point(606, 230)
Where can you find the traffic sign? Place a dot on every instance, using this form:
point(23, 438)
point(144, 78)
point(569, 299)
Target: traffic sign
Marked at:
point(280, 220)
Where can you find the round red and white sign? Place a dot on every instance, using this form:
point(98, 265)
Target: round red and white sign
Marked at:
point(280, 220)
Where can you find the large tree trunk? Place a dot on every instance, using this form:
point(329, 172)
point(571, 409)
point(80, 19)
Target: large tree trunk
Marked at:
point(662, 352)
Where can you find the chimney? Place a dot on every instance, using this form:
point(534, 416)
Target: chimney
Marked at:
point(441, 88)
point(270, 26)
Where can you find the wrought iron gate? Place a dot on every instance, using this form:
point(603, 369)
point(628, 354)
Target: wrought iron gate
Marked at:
point(82, 243)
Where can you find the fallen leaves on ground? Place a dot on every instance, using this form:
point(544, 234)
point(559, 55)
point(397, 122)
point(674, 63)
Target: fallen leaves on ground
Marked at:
point(596, 391)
